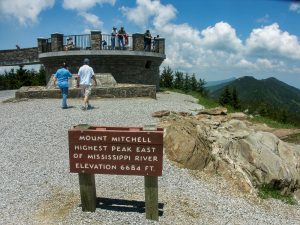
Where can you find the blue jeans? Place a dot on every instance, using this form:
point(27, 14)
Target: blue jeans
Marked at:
point(113, 43)
point(64, 91)
point(121, 43)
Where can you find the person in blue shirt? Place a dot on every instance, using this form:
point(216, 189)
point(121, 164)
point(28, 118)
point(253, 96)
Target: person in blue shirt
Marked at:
point(62, 76)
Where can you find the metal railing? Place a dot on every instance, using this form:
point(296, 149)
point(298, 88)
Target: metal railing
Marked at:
point(110, 42)
point(82, 41)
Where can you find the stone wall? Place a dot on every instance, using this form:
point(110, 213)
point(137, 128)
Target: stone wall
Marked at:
point(19, 56)
point(57, 42)
point(126, 67)
point(138, 42)
point(118, 91)
point(96, 40)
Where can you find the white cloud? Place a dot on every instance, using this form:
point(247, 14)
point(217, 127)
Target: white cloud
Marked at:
point(145, 9)
point(25, 11)
point(186, 46)
point(221, 37)
point(295, 6)
point(270, 40)
point(265, 63)
point(84, 5)
point(217, 51)
point(243, 63)
point(92, 20)
point(182, 33)
point(216, 47)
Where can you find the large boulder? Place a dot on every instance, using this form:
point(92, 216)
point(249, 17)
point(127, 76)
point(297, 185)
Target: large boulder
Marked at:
point(185, 146)
point(232, 146)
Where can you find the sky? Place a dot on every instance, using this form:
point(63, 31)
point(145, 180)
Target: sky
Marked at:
point(215, 39)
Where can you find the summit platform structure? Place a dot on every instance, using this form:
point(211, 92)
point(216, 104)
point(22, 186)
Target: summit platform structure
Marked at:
point(134, 70)
point(131, 65)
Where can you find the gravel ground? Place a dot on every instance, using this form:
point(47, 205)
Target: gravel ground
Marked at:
point(37, 188)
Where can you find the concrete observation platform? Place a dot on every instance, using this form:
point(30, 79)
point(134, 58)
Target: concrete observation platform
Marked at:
point(107, 87)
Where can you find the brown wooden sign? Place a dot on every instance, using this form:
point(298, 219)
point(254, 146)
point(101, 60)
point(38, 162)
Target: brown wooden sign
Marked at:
point(116, 150)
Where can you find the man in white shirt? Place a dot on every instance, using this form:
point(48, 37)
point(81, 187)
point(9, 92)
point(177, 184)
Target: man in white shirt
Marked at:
point(85, 76)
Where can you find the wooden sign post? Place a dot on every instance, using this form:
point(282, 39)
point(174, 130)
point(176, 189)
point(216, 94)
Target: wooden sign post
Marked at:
point(116, 150)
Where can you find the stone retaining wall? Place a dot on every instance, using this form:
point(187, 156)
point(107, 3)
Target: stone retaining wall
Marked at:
point(118, 91)
point(19, 56)
point(134, 67)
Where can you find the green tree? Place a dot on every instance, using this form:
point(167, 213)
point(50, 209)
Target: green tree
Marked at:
point(201, 87)
point(193, 82)
point(41, 77)
point(178, 81)
point(235, 99)
point(22, 77)
point(263, 109)
point(225, 97)
point(283, 116)
point(166, 77)
point(186, 83)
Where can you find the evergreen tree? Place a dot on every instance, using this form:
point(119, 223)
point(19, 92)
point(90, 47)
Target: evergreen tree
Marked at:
point(193, 82)
point(41, 76)
point(39, 79)
point(178, 81)
point(22, 77)
point(201, 87)
point(263, 109)
point(186, 83)
point(166, 78)
point(283, 115)
point(225, 97)
point(235, 100)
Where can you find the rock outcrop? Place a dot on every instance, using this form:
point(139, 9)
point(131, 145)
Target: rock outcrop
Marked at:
point(234, 148)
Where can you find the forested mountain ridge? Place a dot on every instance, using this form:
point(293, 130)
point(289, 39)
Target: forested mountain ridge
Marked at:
point(267, 95)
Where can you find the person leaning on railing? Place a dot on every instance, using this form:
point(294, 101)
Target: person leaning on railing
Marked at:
point(155, 44)
point(121, 35)
point(147, 41)
point(69, 44)
point(113, 38)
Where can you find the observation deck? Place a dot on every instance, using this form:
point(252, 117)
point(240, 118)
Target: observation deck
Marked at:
point(129, 64)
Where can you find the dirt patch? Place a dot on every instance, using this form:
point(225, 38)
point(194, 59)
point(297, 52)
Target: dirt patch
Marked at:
point(56, 207)
point(283, 133)
point(288, 135)
point(15, 100)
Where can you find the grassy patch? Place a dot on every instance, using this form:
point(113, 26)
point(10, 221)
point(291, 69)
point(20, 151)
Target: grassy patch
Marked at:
point(206, 102)
point(271, 122)
point(267, 191)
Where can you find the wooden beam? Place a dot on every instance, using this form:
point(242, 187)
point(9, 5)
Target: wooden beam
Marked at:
point(87, 192)
point(151, 197)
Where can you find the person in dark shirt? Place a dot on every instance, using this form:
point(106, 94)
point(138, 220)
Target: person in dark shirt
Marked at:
point(121, 34)
point(147, 41)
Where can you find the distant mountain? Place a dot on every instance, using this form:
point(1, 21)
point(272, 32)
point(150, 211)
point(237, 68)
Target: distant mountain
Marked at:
point(267, 91)
point(218, 82)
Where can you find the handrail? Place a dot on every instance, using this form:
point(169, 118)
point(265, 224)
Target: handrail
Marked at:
point(112, 43)
point(108, 42)
point(81, 41)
